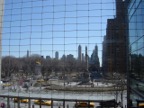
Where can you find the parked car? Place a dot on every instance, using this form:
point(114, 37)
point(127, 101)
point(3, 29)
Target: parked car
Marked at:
point(21, 100)
point(7, 84)
point(43, 102)
point(141, 105)
point(84, 104)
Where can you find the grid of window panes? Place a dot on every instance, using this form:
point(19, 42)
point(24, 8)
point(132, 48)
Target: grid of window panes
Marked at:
point(136, 40)
point(48, 46)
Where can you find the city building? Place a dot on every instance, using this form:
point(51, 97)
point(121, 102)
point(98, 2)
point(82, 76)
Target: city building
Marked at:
point(86, 57)
point(56, 55)
point(79, 53)
point(104, 55)
point(115, 43)
point(83, 58)
point(70, 57)
point(27, 53)
point(63, 58)
point(48, 57)
point(135, 19)
point(94, 61)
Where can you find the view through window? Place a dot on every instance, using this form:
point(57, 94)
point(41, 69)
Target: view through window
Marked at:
point(64, 49)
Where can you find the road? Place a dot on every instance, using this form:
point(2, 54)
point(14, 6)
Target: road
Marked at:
point(56, 104)
point(36, 92)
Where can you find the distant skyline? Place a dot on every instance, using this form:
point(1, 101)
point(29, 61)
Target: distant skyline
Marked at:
point(46, 26)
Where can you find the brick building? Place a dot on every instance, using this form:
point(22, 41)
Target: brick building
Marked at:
point(114, 45)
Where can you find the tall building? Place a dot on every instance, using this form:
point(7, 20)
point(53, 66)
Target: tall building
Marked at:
point(70, 57)
point(79, 53)
point(104, 55)
point(115, 42)
point(109, 57)
point(48, 57)
point(27, 53)
point(135, 19)
point(94, 61)
point(83, 58)
point(63, 58)
point(86, 57)
point(120, 9)
point(56, 55)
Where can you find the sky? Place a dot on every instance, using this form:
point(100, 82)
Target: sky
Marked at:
point(46, 26)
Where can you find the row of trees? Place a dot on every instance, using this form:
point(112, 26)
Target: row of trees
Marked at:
point(12, 65)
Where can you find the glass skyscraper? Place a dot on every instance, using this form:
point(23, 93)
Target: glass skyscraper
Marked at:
point(135, 13)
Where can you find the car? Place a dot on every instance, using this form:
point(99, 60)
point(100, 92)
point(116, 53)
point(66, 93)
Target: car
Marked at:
point(40, 80)
point(84, 104)
point(24, 100)
point(7, 84)
point(42, 102)
point(141, 105)
point(21, 100)
point(109, 103)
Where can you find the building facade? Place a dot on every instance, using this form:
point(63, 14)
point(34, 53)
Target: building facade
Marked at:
point(70, 57)
point(48, 57)
point(56, 55)
point(94, 61)
point(83, 58)
point(79, 53)
point(115, 43)
point(135, 19)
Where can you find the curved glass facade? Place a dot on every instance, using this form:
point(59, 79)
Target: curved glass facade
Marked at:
point(136, 46)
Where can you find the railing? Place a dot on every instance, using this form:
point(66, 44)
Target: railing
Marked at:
point(64, 103)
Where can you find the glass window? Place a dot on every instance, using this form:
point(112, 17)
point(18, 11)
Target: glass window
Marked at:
point(136, 38)
point(140, 43)
point(137, 2)
point(132, 30)
point(142, 13)
point(131, 5)
point(139, 19)
point(134, 46)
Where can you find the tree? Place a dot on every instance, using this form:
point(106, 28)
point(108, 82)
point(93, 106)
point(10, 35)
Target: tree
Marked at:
point(10, 65)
